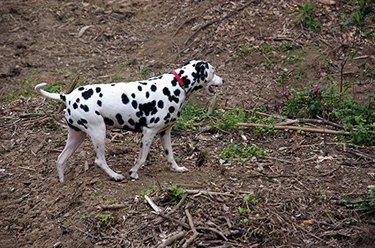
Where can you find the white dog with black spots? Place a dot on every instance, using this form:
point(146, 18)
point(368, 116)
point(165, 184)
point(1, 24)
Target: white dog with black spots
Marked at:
point(150, 107)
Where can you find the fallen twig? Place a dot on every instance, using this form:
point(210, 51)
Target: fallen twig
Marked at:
point(203, 26)
point(191, 224)
point(152, 204)
point(172, 239)
point(112, 207)
point(306, 129)
point(200, 192)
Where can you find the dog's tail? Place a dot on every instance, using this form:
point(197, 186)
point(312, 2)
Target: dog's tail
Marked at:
point(54, 96)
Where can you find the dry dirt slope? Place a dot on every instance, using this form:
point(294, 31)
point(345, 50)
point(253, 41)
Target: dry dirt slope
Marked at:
point(296, 196)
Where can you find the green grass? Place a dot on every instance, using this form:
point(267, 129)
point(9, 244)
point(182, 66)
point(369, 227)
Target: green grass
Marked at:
point(105, 219)
point(175, 193)
point(364, 205)
point(25, 89)
point(231, 118)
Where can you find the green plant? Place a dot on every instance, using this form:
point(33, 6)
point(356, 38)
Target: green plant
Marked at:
point(231, 118)
point(175, 193)
point(323, 194)
point(190, 114)
point(105, 219)
point(364, 205)
point(337, 106)
point(305, 16)
point(234, 151)
point(359, 10)
point(245, 50)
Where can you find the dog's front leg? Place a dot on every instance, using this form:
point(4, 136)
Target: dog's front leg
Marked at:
point(146, 141)
point(165, 137)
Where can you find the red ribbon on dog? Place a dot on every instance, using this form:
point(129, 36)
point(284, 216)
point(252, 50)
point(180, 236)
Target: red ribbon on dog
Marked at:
point(179, 80)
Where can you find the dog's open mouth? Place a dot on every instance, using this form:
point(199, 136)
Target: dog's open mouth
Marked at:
point(211, 89)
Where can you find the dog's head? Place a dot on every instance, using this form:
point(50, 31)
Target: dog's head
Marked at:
point(200, 74)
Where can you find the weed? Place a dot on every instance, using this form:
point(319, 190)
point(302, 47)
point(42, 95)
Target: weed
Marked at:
point(234, 151)
point(175, 193)
point(364, 205)
point(336, 106)
point(105, 219)
point(147, 70)
point(190, 115)
point(305, 16)
point(244, 211)
point(231, 118)
point(323, 194)
point(245, 50)
point(265, 49)
point(84, 217)
point(360, 11)
point(349, 221)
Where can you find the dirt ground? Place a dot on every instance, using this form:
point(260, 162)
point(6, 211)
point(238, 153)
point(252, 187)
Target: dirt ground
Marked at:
point(297, 188)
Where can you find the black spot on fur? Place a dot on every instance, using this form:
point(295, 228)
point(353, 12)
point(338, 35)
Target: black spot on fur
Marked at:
point(97, 112)
point(146, 108)
point(157, 120)
point(99, 103)
point(124, 98)
point(154, 111)
point(174, 82)
point(166, 152)
point(134, 104)
point(127, 128)
point(177, 92)
point(77, 100)
point(70, 121)
point(62, 97)
point(84, 107)
point(82, 122)
point(75, 105)
point(100, 95)
point(81, 88)
point(170, 97)
point(147, 94)
point(98, 89)
point(167, 116)
point(87, 94)
point(171, 109)
point(143, 83)
point(119, 119)
point(108, 121)
point(113, 84)
point(74, 127)
point(139, 88)
point(139, 126)
point(131, 122)
point(153, 88)
point(160, 104)
point(133, 95)
point(69, 112)
point(152, 120)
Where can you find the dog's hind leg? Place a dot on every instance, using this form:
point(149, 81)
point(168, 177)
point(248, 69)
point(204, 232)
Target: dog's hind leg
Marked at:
point(97, 135)
point(165, 137)
point(147, 138)
point(75, 138)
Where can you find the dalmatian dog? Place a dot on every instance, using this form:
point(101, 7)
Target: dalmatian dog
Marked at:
point(150, 107)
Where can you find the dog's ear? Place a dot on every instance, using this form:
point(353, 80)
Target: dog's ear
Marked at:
point(201, 70)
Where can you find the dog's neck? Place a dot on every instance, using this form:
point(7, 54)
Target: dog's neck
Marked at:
point(190, 84)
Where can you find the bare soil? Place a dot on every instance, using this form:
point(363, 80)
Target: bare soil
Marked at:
point(297, 188)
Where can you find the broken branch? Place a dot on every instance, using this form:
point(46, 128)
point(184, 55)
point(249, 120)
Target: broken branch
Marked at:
point(306, 129)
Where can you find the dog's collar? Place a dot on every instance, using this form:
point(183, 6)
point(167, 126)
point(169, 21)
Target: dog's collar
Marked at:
point(179, 80)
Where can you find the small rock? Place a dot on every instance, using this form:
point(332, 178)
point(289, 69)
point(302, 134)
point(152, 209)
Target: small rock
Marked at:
point(57, 245)
point(21, 45)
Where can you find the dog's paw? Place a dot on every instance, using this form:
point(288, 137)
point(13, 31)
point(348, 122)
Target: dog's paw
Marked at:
point(181, 169)
point(133, 175)
point(118, 177)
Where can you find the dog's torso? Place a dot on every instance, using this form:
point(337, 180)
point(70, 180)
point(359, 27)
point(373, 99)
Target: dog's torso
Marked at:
point(154, 103)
